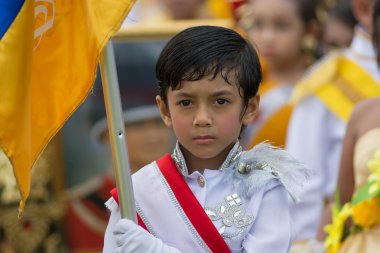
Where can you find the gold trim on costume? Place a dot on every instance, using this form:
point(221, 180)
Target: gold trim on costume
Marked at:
point(344, 86)
point(350, 85)
point(339, 83)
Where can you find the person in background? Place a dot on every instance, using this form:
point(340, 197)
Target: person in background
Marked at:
point(144, 130)
point(146, 136)
point(196, 9)
point(338, 29)
point(324, 100)
point(155, 11)
point(361, 142)
point(281, 30)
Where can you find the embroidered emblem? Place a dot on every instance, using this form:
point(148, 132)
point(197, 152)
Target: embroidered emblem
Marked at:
point(232, 214)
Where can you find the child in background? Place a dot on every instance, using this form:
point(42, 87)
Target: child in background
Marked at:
point(360, 144)
point(147, 139)
point(324, 100)
point(162, 11)
point(144, 130)
point(86, 217)
point(338, 29)
point(282, 31)
point(209, 195)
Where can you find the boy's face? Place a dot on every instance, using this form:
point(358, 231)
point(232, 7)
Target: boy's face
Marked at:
point(206, 115)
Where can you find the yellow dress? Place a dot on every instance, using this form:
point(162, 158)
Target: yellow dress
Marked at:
point(367, 241)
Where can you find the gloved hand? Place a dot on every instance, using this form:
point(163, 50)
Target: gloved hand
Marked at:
point(130, 237)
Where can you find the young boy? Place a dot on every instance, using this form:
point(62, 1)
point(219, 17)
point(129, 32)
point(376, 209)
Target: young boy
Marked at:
point(209, 195)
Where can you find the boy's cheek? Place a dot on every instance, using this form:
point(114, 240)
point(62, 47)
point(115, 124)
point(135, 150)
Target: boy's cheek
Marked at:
point(180, 126)
point(230, 125)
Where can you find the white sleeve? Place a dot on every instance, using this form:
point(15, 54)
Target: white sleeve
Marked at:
point(314, 137)
point(271, 231)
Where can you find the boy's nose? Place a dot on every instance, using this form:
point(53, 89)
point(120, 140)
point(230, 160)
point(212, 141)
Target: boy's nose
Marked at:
point(202, 117)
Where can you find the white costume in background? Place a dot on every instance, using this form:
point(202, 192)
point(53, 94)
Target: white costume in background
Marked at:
point(256, 183)
point(271, 102)
point(315, 137)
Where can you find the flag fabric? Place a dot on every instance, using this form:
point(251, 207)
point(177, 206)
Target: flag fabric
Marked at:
point(49, 50)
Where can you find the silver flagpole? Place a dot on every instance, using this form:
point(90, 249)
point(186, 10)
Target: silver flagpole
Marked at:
point(117, 133)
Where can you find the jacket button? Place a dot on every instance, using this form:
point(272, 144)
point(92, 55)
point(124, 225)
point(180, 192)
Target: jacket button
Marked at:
point(201, 181)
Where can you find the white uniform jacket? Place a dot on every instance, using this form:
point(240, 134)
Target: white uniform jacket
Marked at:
point(246, 200)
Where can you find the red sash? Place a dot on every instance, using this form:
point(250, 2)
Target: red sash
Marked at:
point(190, 205)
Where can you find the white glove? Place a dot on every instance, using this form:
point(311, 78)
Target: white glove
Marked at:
point(130, 237)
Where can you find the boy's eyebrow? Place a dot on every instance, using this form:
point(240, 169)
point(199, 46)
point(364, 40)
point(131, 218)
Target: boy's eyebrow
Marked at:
point(183, 94)
point(215, 94)
point(221, 93)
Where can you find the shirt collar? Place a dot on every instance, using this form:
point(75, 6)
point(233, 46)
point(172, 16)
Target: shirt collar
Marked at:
point(180, 162)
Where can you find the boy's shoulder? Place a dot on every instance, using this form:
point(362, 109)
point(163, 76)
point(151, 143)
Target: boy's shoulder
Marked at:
point(265, 167)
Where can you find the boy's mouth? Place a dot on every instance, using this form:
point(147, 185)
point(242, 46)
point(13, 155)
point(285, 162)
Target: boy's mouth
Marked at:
point(204, 139)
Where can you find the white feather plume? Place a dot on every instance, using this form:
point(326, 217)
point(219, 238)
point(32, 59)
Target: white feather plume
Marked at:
point(265, 163)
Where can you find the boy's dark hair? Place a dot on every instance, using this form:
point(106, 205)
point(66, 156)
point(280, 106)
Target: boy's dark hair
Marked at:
point(207, 51)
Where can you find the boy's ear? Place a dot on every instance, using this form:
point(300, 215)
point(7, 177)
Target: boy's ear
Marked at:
point(164, 111)
point(252, 109)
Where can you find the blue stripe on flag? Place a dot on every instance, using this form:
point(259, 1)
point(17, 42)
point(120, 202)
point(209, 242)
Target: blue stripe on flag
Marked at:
point(8, 12)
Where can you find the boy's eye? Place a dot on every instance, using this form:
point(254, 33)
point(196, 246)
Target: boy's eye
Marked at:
point(221, 101)
point(185, 102)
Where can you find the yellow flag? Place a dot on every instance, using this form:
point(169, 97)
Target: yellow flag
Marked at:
point(48, 60)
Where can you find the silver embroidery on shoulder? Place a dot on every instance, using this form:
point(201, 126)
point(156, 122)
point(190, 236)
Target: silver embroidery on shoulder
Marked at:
point(232, 214)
